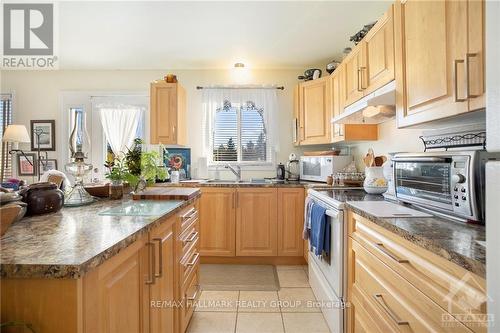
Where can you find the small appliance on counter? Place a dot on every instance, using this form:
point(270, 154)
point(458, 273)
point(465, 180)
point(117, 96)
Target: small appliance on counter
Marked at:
point(280, 172)
point(293, 168)
point(447, 182)
point(318, 168)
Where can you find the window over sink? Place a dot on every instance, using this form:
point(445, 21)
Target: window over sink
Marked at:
point(238, 126)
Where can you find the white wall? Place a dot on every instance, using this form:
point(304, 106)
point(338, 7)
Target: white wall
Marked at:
point(37, 96)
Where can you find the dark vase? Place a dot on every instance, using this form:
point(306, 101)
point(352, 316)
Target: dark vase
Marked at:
point(42, 198)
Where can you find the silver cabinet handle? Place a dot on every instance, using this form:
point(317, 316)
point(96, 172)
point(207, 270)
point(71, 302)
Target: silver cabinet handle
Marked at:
point(151, 269)
point(194, 259)
point(191, 213)
point(160, 257)
point(380, 301)
point(456, 62)
point(361, 69)
point(191, 237)
point(174, 134)
point(359, 80)
point(382, 249)
point(467, 70)
point(192, 298)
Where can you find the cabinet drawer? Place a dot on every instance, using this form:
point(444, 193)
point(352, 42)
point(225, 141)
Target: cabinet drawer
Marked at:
point(189, 263)
point(450, 286)
point(189, 237)
point(190, 295)
point(187, 216)
point(398, 303)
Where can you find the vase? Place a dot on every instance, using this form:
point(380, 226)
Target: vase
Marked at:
point(375, 182)
point(116, 190)
point(174, 177)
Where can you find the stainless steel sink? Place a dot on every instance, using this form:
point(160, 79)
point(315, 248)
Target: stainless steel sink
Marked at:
point(251, 181)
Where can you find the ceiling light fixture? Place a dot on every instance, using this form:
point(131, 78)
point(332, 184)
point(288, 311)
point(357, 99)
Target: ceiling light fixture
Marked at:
point(239, 65)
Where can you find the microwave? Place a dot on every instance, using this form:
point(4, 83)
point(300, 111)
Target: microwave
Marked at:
point(318, 168)
point(449, 182)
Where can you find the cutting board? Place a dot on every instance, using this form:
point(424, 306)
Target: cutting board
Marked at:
point(387, 209)
point(167, 193)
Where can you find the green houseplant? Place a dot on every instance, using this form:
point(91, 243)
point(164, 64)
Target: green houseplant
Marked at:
point(117, 174)
point(142, 167)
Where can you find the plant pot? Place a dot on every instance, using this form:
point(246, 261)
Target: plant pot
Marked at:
point(116, 190)
point(375, 182)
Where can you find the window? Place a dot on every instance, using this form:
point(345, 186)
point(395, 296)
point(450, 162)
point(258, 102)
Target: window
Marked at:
point(5, 120)
point(238, 128)
point(239, 134)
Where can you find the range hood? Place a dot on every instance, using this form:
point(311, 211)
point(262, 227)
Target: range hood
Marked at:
point(375, 108)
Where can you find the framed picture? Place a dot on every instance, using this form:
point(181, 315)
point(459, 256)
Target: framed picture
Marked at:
point(26, 164)
point(45, 132)
point(46, 165)
point(178, 159)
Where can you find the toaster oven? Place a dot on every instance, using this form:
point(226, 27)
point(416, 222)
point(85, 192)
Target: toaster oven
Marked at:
point(449, 182)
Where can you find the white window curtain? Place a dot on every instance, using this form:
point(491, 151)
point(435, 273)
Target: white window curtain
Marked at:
point(120, 119)
point(262, 97)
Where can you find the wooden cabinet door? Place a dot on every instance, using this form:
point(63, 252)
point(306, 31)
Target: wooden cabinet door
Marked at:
point(115, 293)
point(380, 53)
point(162, 289)
point(355, 71)
point(430, 52)
point(290, 221)
point(316, 112)
point(217, 222)
point(475, 55)
point(256, 222)
point(163, 113)
point(296, 134)
point(338, 100)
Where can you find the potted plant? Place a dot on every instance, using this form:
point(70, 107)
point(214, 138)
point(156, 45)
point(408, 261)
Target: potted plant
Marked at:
point(117, 174)
point(143, 168)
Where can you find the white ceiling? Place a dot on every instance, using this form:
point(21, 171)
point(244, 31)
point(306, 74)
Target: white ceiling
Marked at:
point(195, 35)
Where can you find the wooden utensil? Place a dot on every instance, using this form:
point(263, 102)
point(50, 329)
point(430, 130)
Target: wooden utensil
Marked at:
point(371, 157)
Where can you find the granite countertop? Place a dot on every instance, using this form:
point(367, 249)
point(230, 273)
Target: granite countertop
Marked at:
point(69, 243)
point(454, 241)
point(224, 183)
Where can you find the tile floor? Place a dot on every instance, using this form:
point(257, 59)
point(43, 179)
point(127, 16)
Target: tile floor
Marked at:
point(289, 310)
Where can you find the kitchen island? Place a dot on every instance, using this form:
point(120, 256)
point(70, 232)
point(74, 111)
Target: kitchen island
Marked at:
point(96, 268)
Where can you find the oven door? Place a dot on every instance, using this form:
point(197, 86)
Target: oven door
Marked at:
point(332, 267)
point(424, 180)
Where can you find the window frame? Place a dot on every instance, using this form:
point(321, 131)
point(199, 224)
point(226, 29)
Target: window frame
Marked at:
point(269, 164)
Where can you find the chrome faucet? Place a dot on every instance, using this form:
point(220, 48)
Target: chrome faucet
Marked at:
point(236, 170)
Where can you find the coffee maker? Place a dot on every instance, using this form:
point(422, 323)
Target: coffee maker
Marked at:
point(293, 168)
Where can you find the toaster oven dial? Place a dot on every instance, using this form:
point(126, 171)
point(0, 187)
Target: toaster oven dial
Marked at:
point(458, 178)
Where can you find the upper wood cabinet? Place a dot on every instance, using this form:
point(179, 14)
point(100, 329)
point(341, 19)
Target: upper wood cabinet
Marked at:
point(355, 72)
point(290, 221)
point(379, 45)
point(315, 112)
point(256, 222)
point(347, 132)
point(370, 65)
point(167, 113)
point(439, 52)
point(217, 221)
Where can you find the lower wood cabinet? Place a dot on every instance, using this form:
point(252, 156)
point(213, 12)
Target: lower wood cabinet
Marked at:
point(162, 285)
point(136, 290)
point(396, 286)
point(218, 222)
point(256, 222)
point(252, 222)
point(290, 221)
